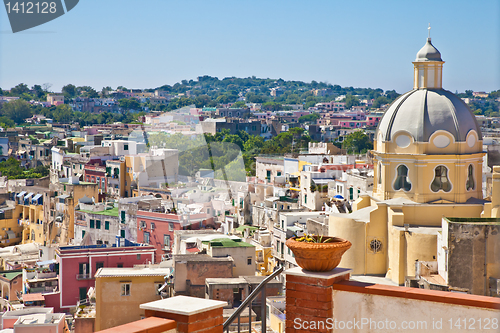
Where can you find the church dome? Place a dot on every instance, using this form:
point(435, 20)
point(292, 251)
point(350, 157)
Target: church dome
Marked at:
point(421, 112)
point(428, 53)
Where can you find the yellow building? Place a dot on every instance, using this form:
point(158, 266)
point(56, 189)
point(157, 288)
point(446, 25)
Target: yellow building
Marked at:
point(10, 229)
point(68, 193)
point(120, 291)
point(428, 164)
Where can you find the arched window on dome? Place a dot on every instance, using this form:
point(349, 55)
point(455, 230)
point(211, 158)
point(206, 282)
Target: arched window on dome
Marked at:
point(441, 181)
point(470, 185)
point(402, 180)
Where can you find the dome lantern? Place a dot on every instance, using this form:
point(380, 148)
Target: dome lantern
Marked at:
point(428, 67)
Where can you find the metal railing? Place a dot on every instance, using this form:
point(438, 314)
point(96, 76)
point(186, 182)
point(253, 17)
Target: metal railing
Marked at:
point(248, 302)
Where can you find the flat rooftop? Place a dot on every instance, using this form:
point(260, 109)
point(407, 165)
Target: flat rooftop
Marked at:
point(141, 271)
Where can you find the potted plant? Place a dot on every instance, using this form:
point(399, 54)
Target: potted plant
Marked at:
point(318, 253)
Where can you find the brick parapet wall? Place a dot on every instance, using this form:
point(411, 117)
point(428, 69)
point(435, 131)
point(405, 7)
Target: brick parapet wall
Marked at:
point(309, 297)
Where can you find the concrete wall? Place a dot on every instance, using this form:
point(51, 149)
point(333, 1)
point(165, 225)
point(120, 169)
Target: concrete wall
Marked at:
point(190, 275)
point(84, 325)
point(112, 309)
point(471, 245)
point(398, 312)
point(240, 256)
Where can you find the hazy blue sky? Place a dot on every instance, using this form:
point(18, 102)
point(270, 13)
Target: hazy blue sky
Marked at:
point(145, 44)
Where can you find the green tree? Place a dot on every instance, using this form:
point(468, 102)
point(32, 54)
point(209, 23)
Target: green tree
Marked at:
point(351, 101)
point(20, 89)
point(63, 114)
point(379, 101)
point(239, 104)
point(69, 91)
point(17, 110)
point(309, 118)
point(38, 91)
point(357, 142)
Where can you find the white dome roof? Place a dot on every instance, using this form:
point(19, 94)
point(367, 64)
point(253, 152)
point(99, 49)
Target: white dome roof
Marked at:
point(421, 112)
point(428, 53)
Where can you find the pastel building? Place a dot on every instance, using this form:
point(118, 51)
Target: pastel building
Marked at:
point(78, 265)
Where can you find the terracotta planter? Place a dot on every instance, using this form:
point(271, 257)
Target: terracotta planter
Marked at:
point(318, 257)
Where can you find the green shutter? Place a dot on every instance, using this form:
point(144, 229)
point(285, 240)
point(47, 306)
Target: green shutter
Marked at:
point(98, 224)
point(91, 224)
point(106, 225)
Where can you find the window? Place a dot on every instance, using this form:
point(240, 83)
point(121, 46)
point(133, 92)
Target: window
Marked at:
point(249, 260)
point(98, 224)
point(119, 265)
point(278, 247)
point(122, 233)
point(138, 256)
point(402, 180)
point(278, 173)
point(470, 178)
point(83, 233)
point(106, 225)
point(166, 241)
point(379, 173)
point(305, 198)
point(99, 264)
point(83, 268)
point(123, 216)
point(125, 147)
point(146, 237)
point(158, 285)
point(441, 181)
point(92, 224)
point(125, 289)
point(171, 226)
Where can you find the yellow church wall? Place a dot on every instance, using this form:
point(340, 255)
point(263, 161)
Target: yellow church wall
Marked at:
point(421, 174)
point(376, 263)
point(420, 247)
point(395, 256)
point(430, 215)
point(355, 232)
point(361, 202)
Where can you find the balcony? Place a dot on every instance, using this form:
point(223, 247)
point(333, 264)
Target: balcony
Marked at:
point(84, 277)
point(277, 254)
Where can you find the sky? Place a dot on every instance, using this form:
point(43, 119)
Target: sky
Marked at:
point(150, 43)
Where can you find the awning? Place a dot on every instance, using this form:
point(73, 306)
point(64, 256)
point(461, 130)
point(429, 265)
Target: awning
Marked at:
point(62, 196)
point(11, 234)
point(28, 195)
point(33, 297)
point(272, 199)
point(294, 228)
point(36, 197)
point(46, 262)
point(21, 194)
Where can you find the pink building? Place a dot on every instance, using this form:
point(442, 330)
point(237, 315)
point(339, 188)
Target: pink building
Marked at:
point(373, 121)
point(157, 229)
point(78, 265)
